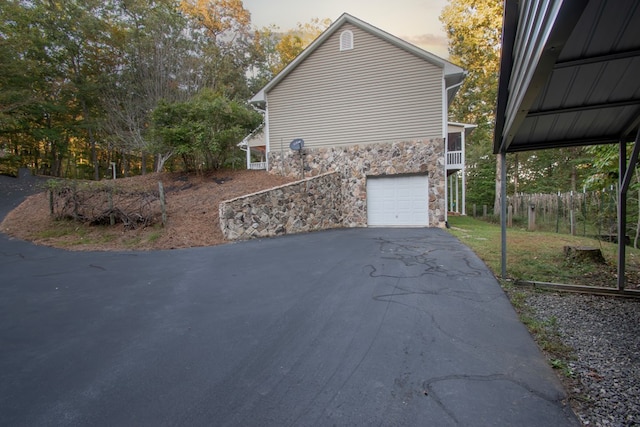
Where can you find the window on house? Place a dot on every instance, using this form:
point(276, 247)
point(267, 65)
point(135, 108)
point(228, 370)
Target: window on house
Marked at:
point(346, 40)
point(454, 142)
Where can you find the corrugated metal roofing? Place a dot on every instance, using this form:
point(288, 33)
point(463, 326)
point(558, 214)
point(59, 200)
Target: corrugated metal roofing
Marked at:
point(570, 74)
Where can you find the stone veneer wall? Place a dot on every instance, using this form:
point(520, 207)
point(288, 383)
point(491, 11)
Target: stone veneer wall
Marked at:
point(355, 162)
point(311, 204)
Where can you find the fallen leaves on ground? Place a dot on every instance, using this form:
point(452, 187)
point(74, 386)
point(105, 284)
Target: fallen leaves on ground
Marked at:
point(192, 214)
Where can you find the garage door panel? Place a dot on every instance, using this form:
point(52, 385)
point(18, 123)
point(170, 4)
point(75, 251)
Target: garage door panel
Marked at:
point(398, 201)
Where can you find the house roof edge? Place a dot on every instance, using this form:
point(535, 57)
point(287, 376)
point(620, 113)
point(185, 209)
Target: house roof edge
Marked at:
point(451, 71)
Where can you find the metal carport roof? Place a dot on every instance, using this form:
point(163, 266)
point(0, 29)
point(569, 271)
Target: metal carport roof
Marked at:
point(570, 76)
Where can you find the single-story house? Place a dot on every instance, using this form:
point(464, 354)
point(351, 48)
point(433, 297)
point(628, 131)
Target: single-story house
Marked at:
point(372, 107)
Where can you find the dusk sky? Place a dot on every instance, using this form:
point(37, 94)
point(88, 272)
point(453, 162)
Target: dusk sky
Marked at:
point(415, 21)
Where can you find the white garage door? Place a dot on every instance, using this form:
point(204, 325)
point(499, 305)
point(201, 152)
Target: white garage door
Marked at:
point(398, 201)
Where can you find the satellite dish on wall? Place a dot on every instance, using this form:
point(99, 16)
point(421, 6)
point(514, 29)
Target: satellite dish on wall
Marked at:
point(296, 144)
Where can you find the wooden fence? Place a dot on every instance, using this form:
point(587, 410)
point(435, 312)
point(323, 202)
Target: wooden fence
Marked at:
point(585, 213)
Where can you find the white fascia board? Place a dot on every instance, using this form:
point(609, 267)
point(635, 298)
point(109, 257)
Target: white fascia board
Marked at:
point(465, 126)
point(258, 97)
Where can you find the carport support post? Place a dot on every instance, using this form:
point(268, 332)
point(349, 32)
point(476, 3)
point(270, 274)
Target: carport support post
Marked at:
point(625, 180)
point(622, 215)
point(503, 214)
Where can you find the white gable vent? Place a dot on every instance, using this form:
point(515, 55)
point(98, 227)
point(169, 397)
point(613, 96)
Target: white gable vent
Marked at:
point(346, 40)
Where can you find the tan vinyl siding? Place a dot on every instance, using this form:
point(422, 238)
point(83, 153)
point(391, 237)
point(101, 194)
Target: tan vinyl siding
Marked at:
point(375, 92)
point(451, 128)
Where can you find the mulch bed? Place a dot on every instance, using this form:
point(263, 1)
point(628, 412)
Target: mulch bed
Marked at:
point(192, 212)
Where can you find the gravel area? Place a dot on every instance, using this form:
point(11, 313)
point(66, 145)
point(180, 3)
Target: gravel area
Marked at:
point(603, 376)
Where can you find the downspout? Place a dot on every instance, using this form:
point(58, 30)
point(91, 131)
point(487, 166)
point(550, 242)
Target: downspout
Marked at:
point(445, 129)
point(248, 156)
point(463, 136)
point(246, 150)
point(266, 133)
point(453, 87)
point(503, 215)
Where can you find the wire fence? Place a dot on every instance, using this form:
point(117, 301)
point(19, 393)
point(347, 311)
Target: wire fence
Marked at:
point(586, 213)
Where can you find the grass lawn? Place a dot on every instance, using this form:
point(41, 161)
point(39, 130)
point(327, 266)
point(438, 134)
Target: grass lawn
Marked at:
point(539, 256)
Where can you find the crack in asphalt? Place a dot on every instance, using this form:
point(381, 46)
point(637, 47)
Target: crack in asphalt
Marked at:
point(429, 391)
point(412, 252)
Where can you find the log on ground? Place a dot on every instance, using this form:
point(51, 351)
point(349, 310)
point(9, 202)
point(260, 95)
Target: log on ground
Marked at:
point(584, 254)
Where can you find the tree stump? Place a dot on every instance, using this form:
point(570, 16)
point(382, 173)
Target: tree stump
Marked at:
point(584, 254)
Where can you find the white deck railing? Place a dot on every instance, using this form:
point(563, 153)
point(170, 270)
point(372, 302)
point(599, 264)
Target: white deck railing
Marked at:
point(454, 160)
point(258, 165)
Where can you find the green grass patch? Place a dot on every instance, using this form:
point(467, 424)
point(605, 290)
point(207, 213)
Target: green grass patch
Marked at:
point(153, 236)
point(133, 242)
point(538, 255)
point(61, 228)
point(71, 234)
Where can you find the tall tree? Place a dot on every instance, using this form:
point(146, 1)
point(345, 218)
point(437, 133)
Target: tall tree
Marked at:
point(222, 32)
point(39, 65)
point(474, 29)
point(294, 41)
point(154, 62)
point(21, 74)
point(79, 79)
point(218, 17)
point(273, 49)
point(55, 50)
point(79, 33)
point(549, 171)
point(203, 131)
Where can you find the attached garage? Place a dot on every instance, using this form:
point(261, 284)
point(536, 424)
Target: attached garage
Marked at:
point(398, 201)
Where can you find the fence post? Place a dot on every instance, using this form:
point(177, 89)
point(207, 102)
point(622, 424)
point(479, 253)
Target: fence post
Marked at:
point(532, 217)
point(572, 218)
point(583, 206)
point(510, 216)
point(572, 222)
point(474, 210)
point(163, 205)
point(484, 210)
point(558, 213)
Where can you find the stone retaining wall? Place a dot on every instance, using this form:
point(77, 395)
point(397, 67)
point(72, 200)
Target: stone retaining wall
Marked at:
point(311, 204)
point(355, 162)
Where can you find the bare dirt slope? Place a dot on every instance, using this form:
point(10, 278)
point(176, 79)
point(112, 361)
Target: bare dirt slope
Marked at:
point(192, 212)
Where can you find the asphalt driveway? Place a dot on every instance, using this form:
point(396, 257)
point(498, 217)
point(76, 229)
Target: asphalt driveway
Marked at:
point(343, 327)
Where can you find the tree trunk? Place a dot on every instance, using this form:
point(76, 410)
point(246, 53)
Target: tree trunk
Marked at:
point(515, 174)
point(94, 156)
point(496, 203)
point(92, 142)
point(160, 161)
point(125, 163)
point(143, 163)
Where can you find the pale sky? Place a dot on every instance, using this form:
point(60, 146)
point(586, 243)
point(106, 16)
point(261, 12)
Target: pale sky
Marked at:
point(415, 21)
